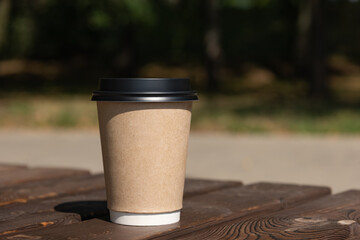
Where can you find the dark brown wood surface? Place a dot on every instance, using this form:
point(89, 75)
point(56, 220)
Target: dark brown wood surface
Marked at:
point(53, 207)
point(332, 217)
point(48, 203)
point(22, 193)
point(200, 186)
point(200, 211)
point(20, 175)
point(52, 212)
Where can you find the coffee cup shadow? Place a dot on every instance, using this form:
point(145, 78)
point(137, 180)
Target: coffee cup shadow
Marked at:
point(85, 209)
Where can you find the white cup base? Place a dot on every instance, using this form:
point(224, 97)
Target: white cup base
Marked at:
point(144, 219)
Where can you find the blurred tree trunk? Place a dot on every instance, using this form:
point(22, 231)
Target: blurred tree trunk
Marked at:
point(5, 6)
point(310, 48)
point(125, 60)
point(212, 44)
point(304, 25)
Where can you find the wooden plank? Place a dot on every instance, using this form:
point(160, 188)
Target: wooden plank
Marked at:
point(9, 167)
point(199, 212)
point(69, 209)
point(50, 188)
point(17, 218)
point(251, 199)
point(333, 217)
point(23, 175)
point(85, 204)
point(47, 219)
point(195, 187)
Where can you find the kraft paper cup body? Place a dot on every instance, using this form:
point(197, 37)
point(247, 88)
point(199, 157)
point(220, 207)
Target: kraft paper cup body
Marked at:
point(144, 147)
point(144, 128)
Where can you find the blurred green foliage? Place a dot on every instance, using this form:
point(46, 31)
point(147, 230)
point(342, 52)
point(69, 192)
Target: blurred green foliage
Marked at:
point(222, 113)
point(61, 48)
point(118, 38)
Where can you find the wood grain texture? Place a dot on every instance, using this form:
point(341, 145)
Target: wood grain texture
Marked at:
point(42, 220)
point(201, 186)
point(333, 217)
point(200, 211)
point(52, 212)
point(82, 203)
point(245, 201)
point(50, 188)
point(23, 175)
point(49, 213)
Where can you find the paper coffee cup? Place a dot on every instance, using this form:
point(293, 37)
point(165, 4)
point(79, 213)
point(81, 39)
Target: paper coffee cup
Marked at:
point(144, 129)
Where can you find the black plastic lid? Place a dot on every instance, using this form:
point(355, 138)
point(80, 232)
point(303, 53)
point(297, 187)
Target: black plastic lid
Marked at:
point(144, 90)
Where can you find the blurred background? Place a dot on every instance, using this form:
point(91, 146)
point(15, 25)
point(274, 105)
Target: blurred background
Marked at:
point(278, 81)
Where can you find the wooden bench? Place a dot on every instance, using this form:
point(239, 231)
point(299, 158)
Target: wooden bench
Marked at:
point(48, 203)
